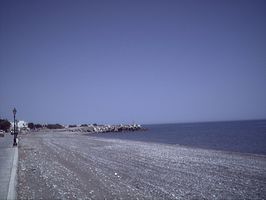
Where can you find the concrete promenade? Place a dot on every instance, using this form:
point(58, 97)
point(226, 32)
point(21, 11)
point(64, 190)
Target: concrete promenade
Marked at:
point(8, 167)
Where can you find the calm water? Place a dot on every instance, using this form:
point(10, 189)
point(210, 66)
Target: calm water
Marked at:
point(238, 136)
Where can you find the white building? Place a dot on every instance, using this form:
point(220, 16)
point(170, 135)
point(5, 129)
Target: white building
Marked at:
point(22, 125)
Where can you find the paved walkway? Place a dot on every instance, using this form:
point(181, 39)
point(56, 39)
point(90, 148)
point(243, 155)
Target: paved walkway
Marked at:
point(8, 167)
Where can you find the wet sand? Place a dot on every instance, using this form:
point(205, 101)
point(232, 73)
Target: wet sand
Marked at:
point(71, 166)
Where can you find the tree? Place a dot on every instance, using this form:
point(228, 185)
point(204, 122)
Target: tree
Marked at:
point(54, 126)
point(31, 125)
point(72, 126)
point(38, 126)
point(4, 124)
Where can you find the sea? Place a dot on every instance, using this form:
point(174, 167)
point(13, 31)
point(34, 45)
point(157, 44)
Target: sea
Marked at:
point(233, 136)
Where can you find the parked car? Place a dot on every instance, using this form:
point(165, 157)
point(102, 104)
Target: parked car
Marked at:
point(2, 133)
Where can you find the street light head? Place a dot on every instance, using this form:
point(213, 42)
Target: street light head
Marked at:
point(14, 111)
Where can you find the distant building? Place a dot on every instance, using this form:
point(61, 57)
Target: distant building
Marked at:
point(21, 125)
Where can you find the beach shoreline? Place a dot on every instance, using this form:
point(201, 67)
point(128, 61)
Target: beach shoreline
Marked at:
point(66, 165)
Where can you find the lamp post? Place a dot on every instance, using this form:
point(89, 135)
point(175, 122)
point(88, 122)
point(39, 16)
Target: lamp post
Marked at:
point(15, 133)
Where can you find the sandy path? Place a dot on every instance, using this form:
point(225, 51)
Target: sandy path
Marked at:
point(67, 166)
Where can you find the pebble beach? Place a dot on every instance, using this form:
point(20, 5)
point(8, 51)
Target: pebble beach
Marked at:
point(67, 166)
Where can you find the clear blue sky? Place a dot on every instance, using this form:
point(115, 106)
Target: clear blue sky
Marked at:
point(133, 61)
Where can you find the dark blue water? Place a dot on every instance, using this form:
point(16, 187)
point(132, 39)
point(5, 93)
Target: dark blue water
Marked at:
point(236, 136)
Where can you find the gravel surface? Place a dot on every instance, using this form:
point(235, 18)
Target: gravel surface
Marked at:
point(71, 166)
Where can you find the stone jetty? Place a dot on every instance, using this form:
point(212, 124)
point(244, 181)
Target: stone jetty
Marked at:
point(104, 128)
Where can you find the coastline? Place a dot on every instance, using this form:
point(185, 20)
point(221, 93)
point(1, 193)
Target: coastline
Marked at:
point(90, 128)
point(90, 167)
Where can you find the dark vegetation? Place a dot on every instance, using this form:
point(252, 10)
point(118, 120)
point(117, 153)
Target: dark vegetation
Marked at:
point(31, 125)
point(49, 126)
point(84, 125)
point(34, 126)
point(38, 126)
point(72, 126)
point(4, 125)
point(54, 126)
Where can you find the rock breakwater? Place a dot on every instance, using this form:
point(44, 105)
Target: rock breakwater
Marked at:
point(105, 128)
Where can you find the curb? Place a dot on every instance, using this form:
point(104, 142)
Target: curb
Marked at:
point(12, 193)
